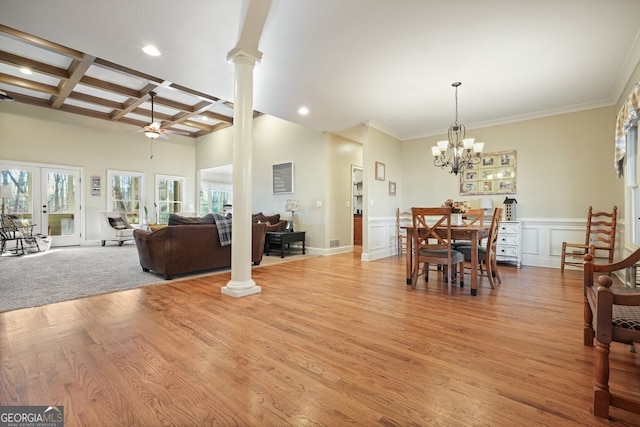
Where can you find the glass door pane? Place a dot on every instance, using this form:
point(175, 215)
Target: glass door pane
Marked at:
point(20, 180)
point(61, 213)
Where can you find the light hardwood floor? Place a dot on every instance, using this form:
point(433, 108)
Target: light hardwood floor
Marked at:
point(330, 341)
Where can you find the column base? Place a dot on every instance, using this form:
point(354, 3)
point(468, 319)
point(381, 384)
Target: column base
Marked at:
point(241, 289)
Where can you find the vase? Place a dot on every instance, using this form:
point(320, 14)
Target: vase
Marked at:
point(456, 219)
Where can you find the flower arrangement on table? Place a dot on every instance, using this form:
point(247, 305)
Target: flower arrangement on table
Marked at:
point(457, 207)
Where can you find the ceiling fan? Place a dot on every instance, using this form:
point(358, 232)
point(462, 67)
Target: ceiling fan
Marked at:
point(154, 130)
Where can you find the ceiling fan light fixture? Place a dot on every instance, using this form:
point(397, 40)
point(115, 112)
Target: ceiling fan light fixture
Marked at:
point(152, 134)
point(151, 50)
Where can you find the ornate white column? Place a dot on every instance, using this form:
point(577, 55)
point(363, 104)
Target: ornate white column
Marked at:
point(241, 283)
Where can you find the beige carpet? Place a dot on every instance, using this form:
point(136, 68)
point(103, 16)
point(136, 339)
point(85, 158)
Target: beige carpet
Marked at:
point(62, 274)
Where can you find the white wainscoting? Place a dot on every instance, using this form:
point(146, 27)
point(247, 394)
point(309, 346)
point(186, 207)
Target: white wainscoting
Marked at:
point(541, 239)
point(382, 238)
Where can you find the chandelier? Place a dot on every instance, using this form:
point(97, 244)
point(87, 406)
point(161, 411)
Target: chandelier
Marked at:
point(458, 153)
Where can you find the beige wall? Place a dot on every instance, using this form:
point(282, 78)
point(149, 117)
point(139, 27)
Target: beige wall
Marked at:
point(344, 154)
point(278, 141)
point(39, 135)
point(564, 164)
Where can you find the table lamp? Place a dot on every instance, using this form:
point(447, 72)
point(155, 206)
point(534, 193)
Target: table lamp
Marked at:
point(486, 204)
point(292, 206)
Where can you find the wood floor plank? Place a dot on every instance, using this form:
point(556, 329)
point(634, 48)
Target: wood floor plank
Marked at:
point(329, 341)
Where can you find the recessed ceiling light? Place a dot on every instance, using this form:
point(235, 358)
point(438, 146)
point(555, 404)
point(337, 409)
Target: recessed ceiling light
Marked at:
point(25, 70)
point(151, 50)
point(303, 111)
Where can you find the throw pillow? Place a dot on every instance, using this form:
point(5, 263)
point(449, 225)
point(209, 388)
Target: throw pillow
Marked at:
point(117, 223)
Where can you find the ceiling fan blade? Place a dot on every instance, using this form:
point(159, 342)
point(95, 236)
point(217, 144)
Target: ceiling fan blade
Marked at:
point(176, 132)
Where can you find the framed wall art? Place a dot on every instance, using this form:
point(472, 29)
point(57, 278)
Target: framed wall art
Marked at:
point(283, 178)
point(494, 174)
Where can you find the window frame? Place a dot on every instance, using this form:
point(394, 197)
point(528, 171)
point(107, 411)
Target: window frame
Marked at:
point(134, 217)
point(178, 204)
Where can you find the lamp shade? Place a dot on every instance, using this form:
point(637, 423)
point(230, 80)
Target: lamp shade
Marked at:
point(292, 205)
point(5, 192)
point(486, 203)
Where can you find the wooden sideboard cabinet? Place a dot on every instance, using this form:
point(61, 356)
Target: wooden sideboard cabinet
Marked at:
point(509, 247)
point(357, 229)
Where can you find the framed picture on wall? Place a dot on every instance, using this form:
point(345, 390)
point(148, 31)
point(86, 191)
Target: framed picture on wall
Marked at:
point(380, 171)
point(283, 178)
point(494, 174)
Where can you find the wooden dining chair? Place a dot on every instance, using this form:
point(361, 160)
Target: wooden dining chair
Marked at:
point(471, 217)
point(432, 245)
point(403, 219)
point(487, 254)
point(600, 236)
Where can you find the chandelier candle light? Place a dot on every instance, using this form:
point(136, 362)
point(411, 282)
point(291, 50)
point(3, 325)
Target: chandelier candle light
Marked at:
point(292, 206)
point(458, 152)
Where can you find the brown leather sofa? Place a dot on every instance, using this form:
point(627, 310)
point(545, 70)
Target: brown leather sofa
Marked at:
point(274, 223)
point(179, 249)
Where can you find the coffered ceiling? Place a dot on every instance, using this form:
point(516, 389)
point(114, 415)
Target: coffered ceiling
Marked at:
point(388, 63)
point(66, 79)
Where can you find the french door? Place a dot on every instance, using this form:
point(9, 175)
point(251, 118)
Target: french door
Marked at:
point(48, 197)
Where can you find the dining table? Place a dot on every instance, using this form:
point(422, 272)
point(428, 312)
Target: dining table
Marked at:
point(473, 233)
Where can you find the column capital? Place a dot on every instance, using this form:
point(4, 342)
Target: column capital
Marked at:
point(240, 55)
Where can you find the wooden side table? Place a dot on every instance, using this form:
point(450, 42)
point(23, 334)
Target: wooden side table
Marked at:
point(284, 238)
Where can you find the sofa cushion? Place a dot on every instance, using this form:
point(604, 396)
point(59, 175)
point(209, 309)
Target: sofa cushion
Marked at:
point(183, 220)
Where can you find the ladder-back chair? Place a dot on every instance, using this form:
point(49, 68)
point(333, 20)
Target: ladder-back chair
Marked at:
point(403, 219)
point(600, 236)
point(611, 314)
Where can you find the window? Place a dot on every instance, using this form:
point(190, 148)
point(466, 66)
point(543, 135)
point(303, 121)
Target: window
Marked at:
point(220, 198)
point(20, 182)
point(124, 194)
point(169, 196)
